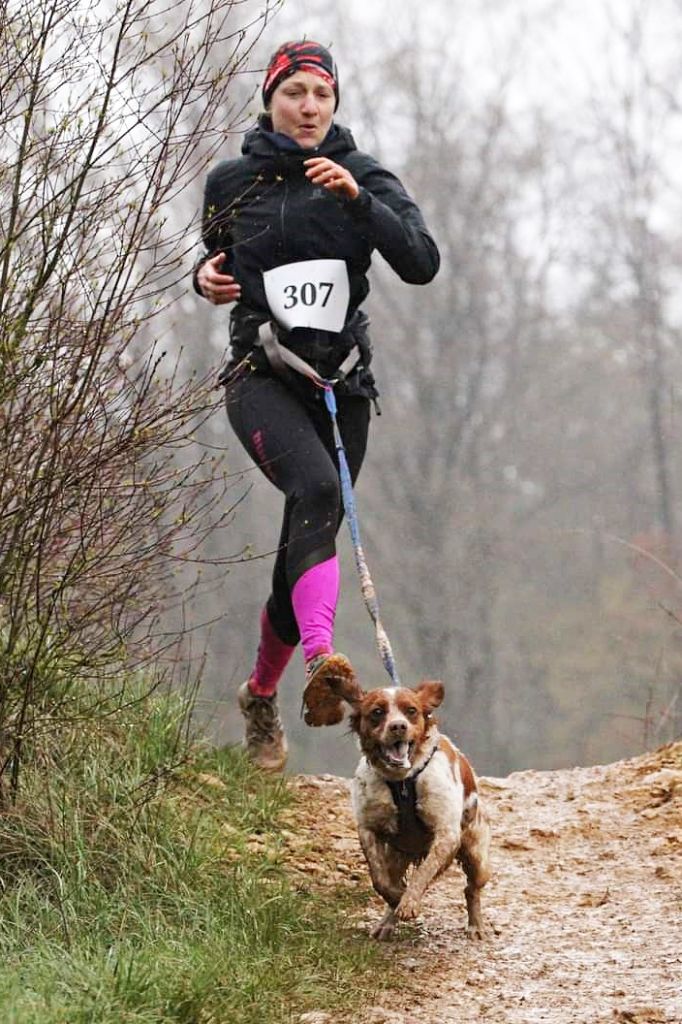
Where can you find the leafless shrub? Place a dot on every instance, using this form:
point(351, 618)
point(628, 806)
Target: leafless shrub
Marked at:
point(107, 112)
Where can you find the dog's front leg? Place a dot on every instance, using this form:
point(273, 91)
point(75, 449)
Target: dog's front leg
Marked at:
point(384, 869)
point(441, 855)
point(387, 869)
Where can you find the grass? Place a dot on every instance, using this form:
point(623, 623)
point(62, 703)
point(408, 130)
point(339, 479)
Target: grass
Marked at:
point(131, 889)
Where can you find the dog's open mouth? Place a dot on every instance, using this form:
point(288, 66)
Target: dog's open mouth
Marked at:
point(397, 755)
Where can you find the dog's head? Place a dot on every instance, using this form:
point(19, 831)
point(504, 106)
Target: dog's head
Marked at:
point(392, 724)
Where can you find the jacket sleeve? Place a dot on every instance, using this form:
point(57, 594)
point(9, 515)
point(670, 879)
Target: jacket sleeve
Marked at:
point(393, 223)
point(215, 231)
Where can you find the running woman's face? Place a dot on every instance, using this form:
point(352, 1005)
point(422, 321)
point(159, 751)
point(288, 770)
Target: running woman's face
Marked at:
point(302, 107)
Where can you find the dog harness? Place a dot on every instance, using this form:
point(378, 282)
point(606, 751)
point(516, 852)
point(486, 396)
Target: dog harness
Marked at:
point(413, 836)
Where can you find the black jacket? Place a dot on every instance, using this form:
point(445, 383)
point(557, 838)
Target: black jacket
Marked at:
point(262, 211)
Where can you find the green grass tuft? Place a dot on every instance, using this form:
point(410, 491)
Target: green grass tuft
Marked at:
point(131, 890)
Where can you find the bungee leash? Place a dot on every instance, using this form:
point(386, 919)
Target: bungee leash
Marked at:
point(279, 358)
point(366, 585)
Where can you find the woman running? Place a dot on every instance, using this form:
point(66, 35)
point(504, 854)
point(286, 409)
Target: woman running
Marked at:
point(289, 229)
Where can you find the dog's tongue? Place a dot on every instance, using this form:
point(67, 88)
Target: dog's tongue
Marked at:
point(397, 754)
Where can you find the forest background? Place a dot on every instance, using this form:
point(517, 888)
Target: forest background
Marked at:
point(519, 504)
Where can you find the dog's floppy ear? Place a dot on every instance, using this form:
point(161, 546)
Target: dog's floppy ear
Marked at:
point(431, 693)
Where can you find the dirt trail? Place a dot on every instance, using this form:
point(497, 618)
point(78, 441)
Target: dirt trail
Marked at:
point(584, 909)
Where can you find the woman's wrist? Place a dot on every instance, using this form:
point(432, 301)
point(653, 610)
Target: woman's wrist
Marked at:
point(195, 275)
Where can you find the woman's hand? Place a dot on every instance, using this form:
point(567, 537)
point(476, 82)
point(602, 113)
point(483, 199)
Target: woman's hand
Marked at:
point(323, 171)
point(215, 286)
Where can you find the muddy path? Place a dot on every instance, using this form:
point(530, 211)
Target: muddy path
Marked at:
point(584, 911)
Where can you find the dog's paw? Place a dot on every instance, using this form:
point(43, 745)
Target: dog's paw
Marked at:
point(383, 931)
point(408, 908)
point(476, 931)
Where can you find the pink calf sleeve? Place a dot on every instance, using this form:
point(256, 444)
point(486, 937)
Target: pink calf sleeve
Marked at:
point(314, 598)
point(272, 658)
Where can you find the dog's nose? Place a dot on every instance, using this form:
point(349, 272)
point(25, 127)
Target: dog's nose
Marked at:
point(398, 728)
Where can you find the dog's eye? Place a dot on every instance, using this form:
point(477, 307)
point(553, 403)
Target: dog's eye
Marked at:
point(412, 712)
point(377, 714)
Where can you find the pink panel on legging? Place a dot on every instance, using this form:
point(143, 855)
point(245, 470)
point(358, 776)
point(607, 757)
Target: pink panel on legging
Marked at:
point(314, 598)
point(272, 658)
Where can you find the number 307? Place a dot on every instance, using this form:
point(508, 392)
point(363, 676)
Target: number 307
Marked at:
point(308, 294)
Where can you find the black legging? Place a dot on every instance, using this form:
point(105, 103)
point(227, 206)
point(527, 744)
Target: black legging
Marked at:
point(292, 442)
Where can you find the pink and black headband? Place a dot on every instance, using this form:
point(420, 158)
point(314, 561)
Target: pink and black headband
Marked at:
point(303, 56)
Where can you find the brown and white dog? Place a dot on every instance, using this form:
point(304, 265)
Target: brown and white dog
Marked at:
point(415, 801)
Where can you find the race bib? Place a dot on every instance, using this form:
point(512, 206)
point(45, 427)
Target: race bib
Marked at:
point(314, 293)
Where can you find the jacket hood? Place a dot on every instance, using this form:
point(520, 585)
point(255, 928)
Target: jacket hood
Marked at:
point(259, 142)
